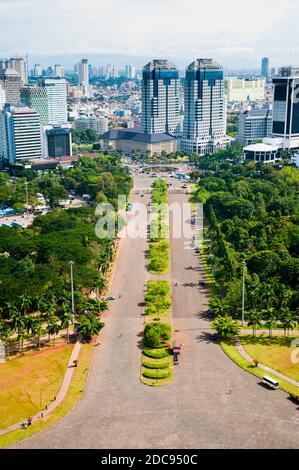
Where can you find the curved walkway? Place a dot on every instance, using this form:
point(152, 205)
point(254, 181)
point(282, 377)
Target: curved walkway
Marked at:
point(60, 396)
point(246, 356)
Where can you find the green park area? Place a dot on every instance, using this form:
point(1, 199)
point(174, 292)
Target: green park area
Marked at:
point(273, 352)
point(28, 383)
point(73, 395)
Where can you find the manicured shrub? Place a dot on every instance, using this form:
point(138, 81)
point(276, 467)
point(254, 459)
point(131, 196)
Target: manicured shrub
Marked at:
point(156, 353)
point(152, 365)
point(156, 334)
point(156, 374)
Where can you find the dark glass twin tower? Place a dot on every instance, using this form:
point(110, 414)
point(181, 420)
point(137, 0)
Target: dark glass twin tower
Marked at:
point(204, 120)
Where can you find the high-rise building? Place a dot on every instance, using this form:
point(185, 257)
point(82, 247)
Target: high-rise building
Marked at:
point(59, 142)
point(2, 97)
point(102, 125)
point(160, 98)
point(265, 67)
point(286, 107)
point(36, 97)
point(204, 122)
point(19, 65)
point(22, 134)
point(57, 99)
point(58, 71)
point(254, 126)
point(83, 76)
point(37, 71)
point(243, 90)
point(130, 72)
point(12, 83)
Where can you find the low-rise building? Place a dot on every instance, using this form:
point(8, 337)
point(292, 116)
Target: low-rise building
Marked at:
point(265, 153)
point(134, 140)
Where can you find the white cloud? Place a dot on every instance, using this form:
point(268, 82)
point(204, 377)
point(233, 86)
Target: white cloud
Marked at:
point(173, 28)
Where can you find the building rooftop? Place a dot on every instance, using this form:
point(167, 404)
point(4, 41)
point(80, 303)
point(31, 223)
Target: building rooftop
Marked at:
point(261, 148)
point(136, 135)
point(159, 64)
point(208, 64)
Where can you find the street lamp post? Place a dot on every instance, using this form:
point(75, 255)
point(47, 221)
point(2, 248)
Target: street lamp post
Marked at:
point(243, 293)
point(72, 290)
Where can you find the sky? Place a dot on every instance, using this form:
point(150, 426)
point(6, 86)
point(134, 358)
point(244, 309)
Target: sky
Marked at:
point(236, 33)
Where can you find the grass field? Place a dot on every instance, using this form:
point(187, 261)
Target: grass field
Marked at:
point(73, 396)
point(231, 351)
point(28, 383)
point(272, 352)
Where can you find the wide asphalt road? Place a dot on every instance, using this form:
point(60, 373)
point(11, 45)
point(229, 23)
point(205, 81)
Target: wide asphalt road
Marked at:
point(197, 409)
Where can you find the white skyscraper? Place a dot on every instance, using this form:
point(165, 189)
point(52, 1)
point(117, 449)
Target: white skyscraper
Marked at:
point(22, 139)
point(58, 71)
point(57, 99)
point(19, 65)
point(130, 72)
point(83, 76)
point(204, 122)
point(160, 98)
point(37, 71)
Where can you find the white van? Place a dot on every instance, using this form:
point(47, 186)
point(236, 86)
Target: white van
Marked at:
point(271, 383)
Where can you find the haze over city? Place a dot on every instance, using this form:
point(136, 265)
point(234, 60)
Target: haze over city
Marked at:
point(123, 30)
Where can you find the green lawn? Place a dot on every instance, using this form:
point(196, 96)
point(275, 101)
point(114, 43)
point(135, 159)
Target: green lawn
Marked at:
point(28, 383)
point(73, 395)
point(272, 352)
point(231, 351)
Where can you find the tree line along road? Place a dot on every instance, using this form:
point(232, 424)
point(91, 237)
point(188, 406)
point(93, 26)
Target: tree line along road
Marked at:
point(211, 403)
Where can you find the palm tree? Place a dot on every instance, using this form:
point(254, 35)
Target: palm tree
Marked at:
point(5, 333)
point(286, 296)
point(287, 320)
point(66, 317)
point(268, 294)
point(17, 323)
point(25, 303)
point(255, 320)
point(53, 327)
point(35, 327)
point(226, 327)
point(271, 319)
point(219, 306)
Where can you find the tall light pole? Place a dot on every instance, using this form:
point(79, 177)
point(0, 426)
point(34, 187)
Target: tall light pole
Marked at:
point(72, 290)
point(27, 199)
point(243, 293)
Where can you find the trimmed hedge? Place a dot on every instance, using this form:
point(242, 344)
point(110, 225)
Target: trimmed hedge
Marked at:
point(152, 365)
point(156, 374)
point(156, 335)
point(156, 353)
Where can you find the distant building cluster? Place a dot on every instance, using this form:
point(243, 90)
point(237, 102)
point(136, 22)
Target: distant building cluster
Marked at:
point(156, 111)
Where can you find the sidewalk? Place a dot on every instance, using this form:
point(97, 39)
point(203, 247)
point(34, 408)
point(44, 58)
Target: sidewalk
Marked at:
point(60, 396)
point(246, 356)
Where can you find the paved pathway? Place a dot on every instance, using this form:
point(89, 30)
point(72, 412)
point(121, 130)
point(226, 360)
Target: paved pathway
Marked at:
point(246, 356)
point(196, 410)
point(60, 396)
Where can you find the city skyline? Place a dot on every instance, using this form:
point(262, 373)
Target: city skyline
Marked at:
point(234, 40)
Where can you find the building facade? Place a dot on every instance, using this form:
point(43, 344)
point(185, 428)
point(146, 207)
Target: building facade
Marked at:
point(245, 90)
point(83, 75)
point(133, 140)
point(205, 119)
point(57, 99)
point(254, 126)
point(11, 82)
point(59, 142)
point(265, 69)
point(130, 72)
point(36, 97)
point(22, 134)
point(264, 153)
point(286, 107)
point(160, 98)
